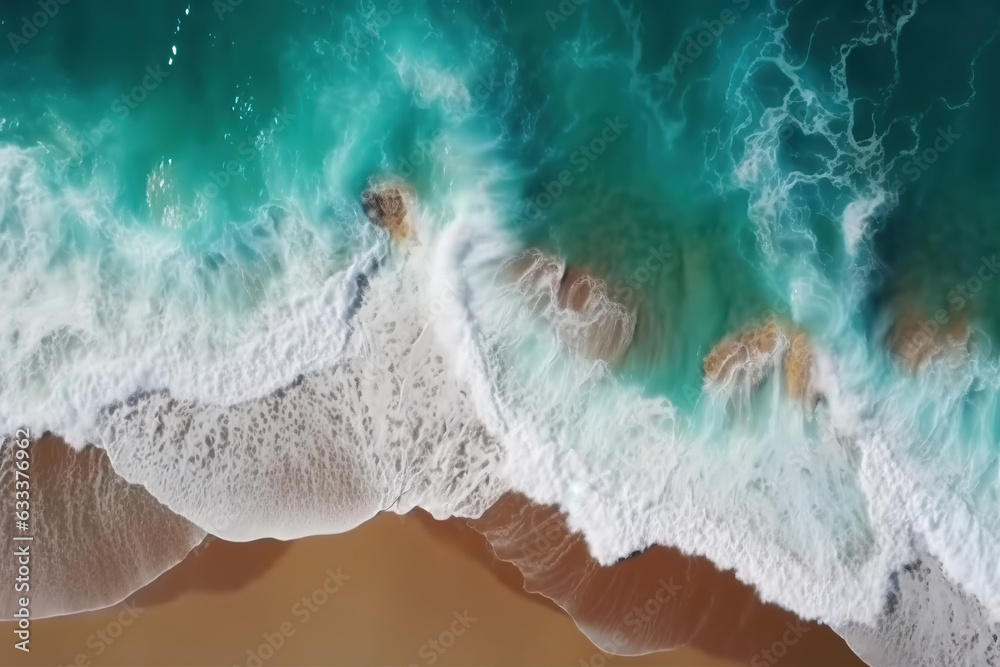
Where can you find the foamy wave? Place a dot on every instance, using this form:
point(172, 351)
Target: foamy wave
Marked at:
point(386, 427)
point(134, 310)
point(446, 372)
point(820, 509)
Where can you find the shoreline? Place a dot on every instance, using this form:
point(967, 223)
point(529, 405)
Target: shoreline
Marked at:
point(407, 577)
point(402, 585)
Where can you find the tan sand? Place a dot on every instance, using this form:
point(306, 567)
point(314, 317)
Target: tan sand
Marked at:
point(403, 587)
point(383, 592)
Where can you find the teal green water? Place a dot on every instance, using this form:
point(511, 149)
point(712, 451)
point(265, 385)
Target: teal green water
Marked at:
point(299, 99)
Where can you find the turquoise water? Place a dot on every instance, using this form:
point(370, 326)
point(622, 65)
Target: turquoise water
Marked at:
point(181, 187)
point(279, 93)
point(283, 93)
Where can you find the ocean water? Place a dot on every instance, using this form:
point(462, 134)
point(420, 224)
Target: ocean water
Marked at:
point(189, 280)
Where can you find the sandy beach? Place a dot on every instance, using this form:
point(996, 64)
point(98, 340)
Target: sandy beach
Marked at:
point(409, 590)
point(402, 587)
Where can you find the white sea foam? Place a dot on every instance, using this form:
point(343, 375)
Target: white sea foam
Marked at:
point(922, 482)
point(909, 631)
point(430, 377)
point(86, 327)
point(856, 221)
point(385, 427)
point(821, 511)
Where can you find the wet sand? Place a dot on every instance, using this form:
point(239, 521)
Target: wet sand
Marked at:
point(403, 581)
point(403, 585)
point(396, 590)
point(656, 600)
point(85, 519)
